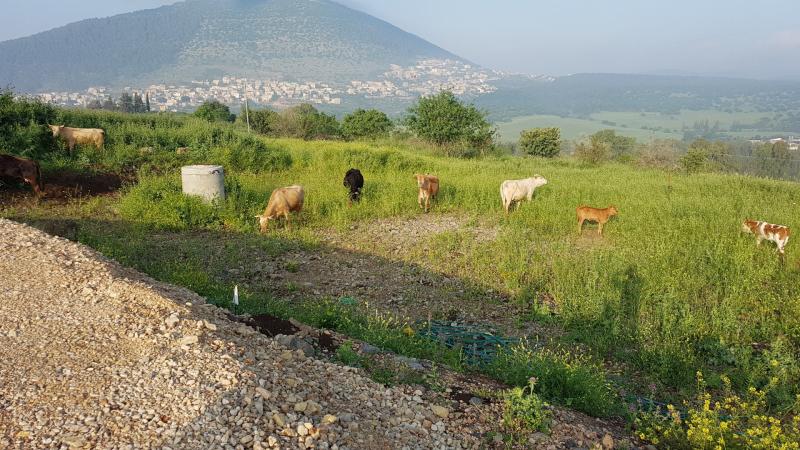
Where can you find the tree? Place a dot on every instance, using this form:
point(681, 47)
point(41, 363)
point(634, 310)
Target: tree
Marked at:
point(544, 142)
point(138, 104)
point(443, 119)
point(305, 122)
point(126, 102)
point(147, 101)
point(362, 124)
point(109, 105)
point(594, 152)
point(262, 121)
point(619, 145)
point(213, 111)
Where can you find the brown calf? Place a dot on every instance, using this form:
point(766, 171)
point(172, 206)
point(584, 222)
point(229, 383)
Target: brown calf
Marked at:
point(428, 188)
point(22, 169)
point(601, 216)
point(281, 203)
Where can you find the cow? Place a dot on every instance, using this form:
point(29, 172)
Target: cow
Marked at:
point(512, 191)
point(72, 136)
point(23, 169)
point(779, 234)
point(599, 215)
point(282, 201)
point(354, 181)
point(428, 188)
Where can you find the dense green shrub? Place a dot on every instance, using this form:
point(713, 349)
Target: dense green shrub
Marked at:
point(23, 126)
point(214, 111)
point(366, 124)
point(545, 142)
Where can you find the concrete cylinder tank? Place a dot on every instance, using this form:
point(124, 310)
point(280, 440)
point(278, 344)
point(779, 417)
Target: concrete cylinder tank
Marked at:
point(206, 181)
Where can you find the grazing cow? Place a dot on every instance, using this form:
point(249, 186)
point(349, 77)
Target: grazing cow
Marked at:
point(517, 190)
point(428, 188)
point(282, 201)
point(354, 181)
point(72, 136)
point(779, 234)
point(599, 215)
point(22, 169)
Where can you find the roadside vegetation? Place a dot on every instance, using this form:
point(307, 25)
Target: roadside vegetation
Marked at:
point(672, 288)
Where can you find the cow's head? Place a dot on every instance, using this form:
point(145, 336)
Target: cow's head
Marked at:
point(612, 211)
point(56, 129)
point(263, 222)
point(539, 180)
point(748, 226)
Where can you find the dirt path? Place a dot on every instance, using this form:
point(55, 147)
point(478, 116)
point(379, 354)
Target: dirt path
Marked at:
point(99, 356)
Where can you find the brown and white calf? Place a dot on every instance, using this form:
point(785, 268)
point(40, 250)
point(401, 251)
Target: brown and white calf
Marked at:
point(599, 215)
point(428, 188)
point(779, 234)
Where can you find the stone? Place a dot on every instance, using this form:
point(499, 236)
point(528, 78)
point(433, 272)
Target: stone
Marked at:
point(440, 411)
point(263, 393)
point(329, 419)
point(171, 321)
point(608, 441)
point(188, 340)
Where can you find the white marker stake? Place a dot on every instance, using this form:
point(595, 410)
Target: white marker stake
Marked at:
point(236, 295)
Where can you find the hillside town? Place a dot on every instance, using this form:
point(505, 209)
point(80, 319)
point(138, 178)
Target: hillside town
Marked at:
point(427, 77)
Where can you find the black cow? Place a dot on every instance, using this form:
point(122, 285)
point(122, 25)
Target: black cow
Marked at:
point(23, 169)
point(354, 181)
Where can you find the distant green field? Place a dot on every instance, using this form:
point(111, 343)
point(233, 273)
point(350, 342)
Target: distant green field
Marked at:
point(641, 125)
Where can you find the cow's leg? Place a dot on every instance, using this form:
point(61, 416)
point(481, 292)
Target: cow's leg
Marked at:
point(419, 199)
point(580, 225)
point(600, 228)
point(427, 202)
point(758, 241)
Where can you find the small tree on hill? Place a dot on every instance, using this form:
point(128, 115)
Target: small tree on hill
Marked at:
point(126, 103)
point(443, 119)
point(593, 152)
point(305, 122)
point(362, 124)
point(263, 121)
point(545, 142)
point(213, 111)
point(619, 146)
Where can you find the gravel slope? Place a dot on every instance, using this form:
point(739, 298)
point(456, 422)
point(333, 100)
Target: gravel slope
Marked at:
point(100, 356)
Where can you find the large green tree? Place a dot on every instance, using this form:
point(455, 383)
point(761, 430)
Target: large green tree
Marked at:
point(443, 119)
point(214, 111)
point(544, 142)
point(361, 124)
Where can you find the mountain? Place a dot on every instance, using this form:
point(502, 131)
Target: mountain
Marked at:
point(302, 40)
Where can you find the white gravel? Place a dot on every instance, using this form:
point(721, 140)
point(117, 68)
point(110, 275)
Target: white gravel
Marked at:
point(95, 355)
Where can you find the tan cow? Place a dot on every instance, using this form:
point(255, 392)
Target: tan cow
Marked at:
point(82, 136)
point(428, 188)
point(599, 215)
point(282, 201)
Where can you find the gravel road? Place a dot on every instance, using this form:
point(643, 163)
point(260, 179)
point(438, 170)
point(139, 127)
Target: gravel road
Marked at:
point(95, 355)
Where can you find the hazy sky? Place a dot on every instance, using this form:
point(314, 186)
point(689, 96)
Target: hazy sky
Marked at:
point(720, 37)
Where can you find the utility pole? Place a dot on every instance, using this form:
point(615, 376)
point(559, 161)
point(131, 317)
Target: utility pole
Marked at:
point(246, 107)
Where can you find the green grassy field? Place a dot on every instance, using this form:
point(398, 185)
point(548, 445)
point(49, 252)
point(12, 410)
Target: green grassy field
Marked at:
point(644, 126)
point(671, 289)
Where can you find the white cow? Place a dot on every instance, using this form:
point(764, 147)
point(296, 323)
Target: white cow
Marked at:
point(517, 190)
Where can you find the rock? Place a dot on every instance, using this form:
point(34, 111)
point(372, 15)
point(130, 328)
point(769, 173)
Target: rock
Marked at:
point(608, 441)
point(312, 407)
point(329, 419)
point(209, 326)
point(301, 406)
point(188, 340)
point(73, 441)
point(476, 401)
point(171, 321)
point(279, 419)
point(440, 411)
point(263, 393)
point(368, 349)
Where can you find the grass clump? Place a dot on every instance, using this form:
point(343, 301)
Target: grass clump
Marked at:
point(562, 377)
point(524, 410)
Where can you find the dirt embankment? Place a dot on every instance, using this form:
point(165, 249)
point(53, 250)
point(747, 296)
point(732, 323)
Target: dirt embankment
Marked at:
point(99, 356)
